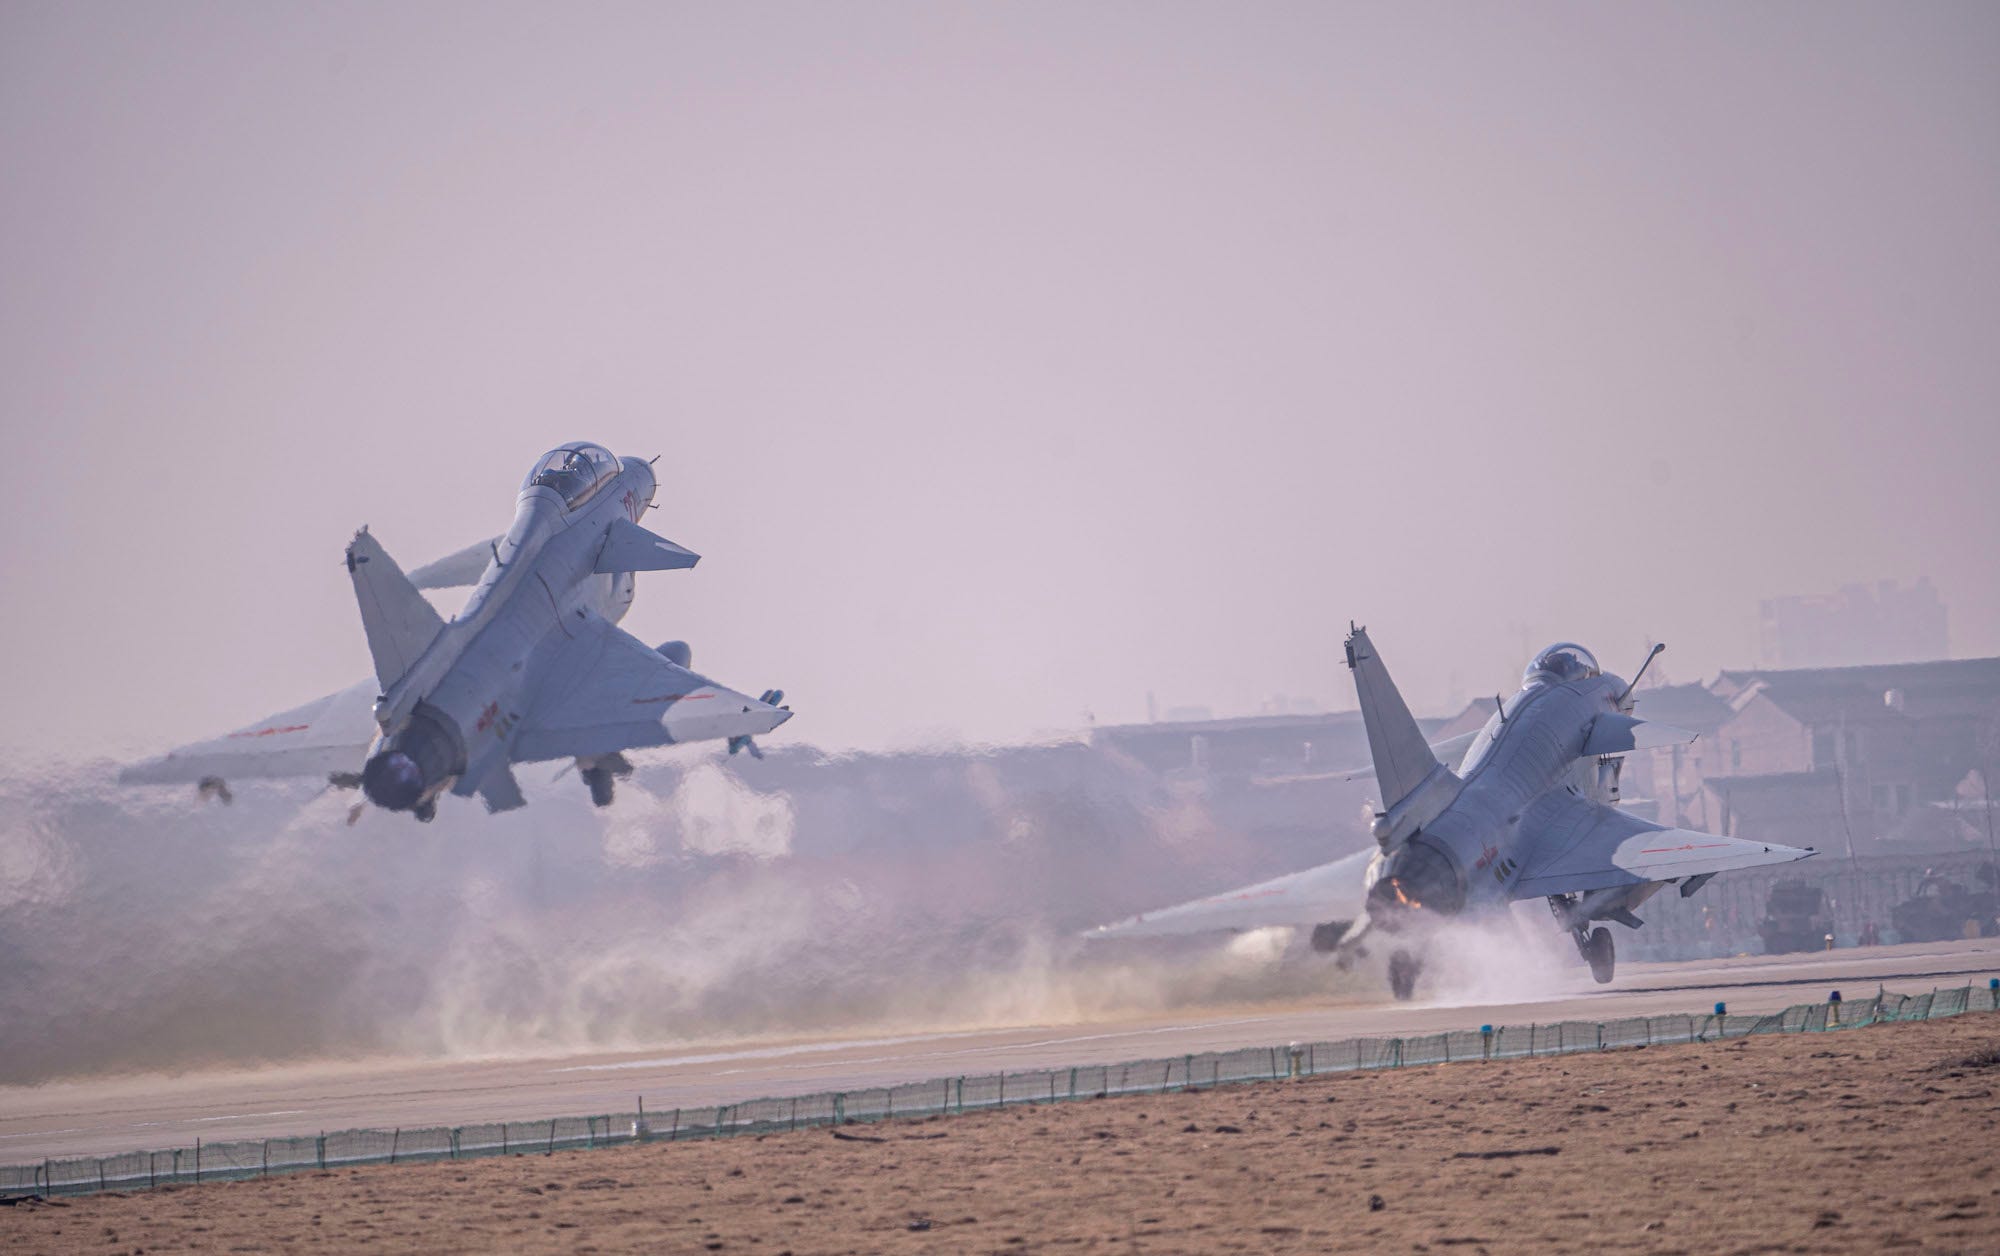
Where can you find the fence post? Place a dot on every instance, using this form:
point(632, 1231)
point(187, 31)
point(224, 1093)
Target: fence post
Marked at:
point(197, 1162)
point(152, 1174)
point(395, 1143)
point(320, 1154)
point(267, 1157)
point(1072, 1083)
point(455, 1130)
point(1003, 1088)
point(795, 1112)
point(961, 1095)
point(503, 1138)
point(48, 1175)
point(839, 1107)
point(674, 1130)
point(1396, 1052)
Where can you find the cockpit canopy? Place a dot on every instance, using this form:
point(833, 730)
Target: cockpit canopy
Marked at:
point(1559, 663)
point(574, 471)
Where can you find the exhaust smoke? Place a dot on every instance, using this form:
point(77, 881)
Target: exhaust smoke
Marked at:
point(718, 899)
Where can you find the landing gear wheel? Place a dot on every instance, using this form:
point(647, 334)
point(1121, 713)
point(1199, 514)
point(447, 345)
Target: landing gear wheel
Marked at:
point(1403, 970)
point(425, 812)
point(1598, 950)
point(601, 785)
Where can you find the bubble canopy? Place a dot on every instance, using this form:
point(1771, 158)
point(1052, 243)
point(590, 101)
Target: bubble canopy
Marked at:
point(1556, 664)
point(573, 471)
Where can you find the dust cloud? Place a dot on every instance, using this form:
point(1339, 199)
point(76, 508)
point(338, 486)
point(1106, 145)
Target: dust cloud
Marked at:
point(717, 899)
point(1517, 956)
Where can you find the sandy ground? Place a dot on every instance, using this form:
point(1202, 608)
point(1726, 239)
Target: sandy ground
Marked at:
point(1861, 1141)
point(108, 1115)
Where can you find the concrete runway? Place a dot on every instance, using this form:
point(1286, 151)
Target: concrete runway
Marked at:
point(135, 1113)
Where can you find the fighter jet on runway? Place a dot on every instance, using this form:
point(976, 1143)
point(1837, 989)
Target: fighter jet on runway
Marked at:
point(531, 669)
point(1531, 812)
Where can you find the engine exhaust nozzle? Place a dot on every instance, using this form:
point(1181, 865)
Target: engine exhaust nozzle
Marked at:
point(393, 781)
point(418, 761)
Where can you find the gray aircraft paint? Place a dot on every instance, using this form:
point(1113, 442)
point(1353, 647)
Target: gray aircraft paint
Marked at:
point(532, 668)
point(1530, 813)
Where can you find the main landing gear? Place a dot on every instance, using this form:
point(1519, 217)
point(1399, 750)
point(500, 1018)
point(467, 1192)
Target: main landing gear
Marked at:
point(602, 775)
point(1593, 944)
point(1598, 952)
point(1403, 970)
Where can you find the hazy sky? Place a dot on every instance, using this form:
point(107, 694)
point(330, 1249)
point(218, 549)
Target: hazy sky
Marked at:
point(1009, 361)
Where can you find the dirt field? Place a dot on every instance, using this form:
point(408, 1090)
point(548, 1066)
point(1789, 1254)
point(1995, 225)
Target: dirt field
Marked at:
point(1859, 1141)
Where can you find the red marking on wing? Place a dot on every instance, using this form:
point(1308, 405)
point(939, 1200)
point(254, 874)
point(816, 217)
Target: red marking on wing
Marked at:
point(274, 731)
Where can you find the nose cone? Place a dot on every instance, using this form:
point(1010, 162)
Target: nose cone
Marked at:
point(392, 781)
point(648, 483)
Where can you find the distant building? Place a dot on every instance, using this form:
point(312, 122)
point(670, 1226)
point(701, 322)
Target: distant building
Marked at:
point(1860, 624)
point(1281, 781)
point(1816, 756)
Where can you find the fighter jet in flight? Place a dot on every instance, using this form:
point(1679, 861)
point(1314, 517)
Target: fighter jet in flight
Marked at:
point(1531, 812)
point(532, 668)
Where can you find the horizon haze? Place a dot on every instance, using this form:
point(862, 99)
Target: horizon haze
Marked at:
point(1008, 364)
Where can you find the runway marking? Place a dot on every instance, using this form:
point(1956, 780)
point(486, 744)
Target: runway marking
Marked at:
point(759, 1053)
point(202, 1120)
point(44, 1133)
point(1815, 979)
point(820, 1048)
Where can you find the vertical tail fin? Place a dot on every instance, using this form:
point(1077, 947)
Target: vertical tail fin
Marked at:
point(1403, 760)
point(400, 624)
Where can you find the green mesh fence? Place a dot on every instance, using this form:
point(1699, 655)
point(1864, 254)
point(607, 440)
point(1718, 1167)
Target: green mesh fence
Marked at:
point(214, 1162)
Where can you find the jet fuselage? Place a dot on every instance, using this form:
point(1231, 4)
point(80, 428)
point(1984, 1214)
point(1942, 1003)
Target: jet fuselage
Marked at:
point(449, 720)
point(1468, 857)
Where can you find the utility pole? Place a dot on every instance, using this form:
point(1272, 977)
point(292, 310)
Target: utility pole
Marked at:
point(1840, 786)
